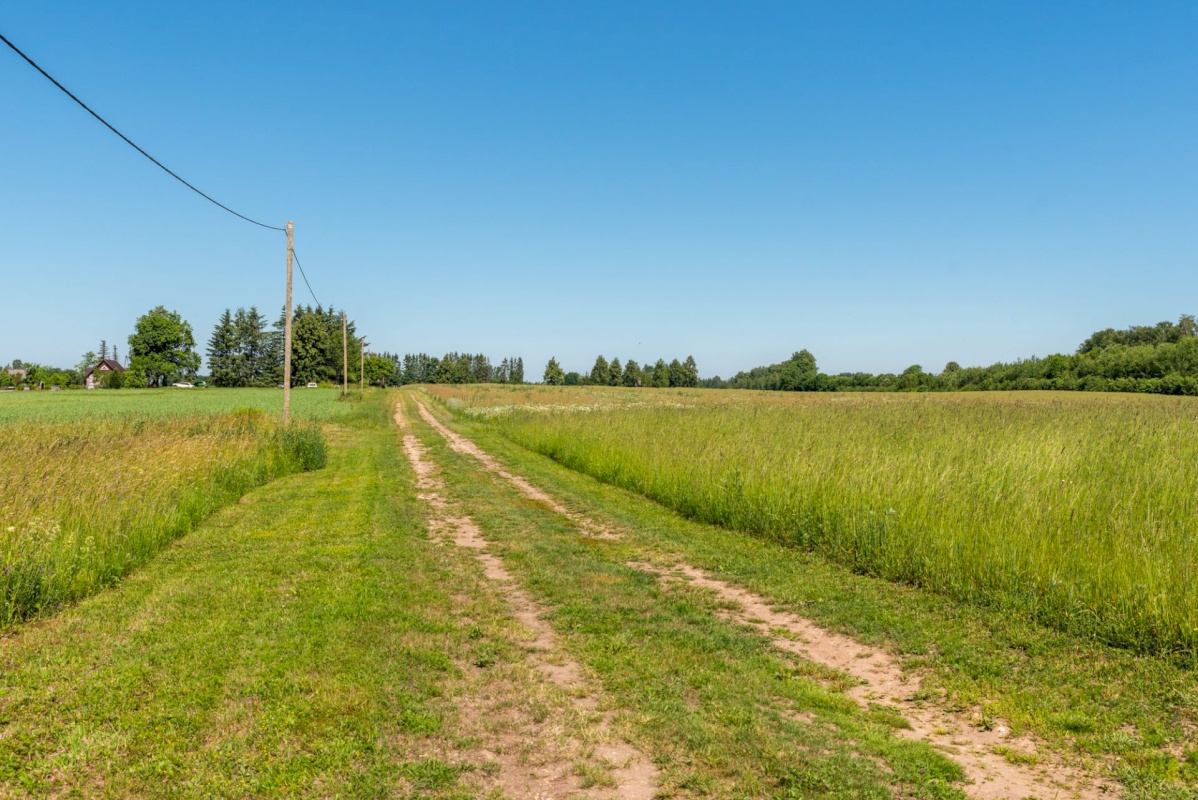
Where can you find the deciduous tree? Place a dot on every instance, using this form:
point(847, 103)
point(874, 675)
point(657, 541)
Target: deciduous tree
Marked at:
point(379, 370)
point(798, 373)
point(310, 350)
point(89, 360)
point(163, 345)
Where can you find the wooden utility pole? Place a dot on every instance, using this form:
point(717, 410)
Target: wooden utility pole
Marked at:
point(362, 364)
point(287, 331)
point(344, 358)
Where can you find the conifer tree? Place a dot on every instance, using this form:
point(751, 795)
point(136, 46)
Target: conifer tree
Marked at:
point(615, 372)
point(254, 344)
point(239, 362)
point(661, 374)
point(274, 350)
point(600, 373)
point(481, 370)
point(677, 373)
point(691, 372)
point(221, 348)
point(632, 374)
point(554, 376)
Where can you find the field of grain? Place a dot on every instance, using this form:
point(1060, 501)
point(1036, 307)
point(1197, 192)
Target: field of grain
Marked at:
point(83, 501)
point(1076, 510)
point(306, 404)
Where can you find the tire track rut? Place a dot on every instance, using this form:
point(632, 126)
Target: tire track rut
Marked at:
point(992, 775)
point(634, 775)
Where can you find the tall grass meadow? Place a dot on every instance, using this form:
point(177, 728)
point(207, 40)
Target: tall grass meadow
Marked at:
point(84, 502)
point(1080, 511)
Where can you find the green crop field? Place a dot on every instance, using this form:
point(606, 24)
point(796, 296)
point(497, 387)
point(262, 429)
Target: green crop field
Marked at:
point(79, 404)
point(1076, 510)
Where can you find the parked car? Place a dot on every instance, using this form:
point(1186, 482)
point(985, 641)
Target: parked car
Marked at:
point(311, 385)
point(182, 385)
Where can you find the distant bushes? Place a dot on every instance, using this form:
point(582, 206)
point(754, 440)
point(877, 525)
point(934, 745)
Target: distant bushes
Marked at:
point(1155, 359)
point(85, 502)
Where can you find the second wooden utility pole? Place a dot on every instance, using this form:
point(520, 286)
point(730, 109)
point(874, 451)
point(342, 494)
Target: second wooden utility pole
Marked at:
point(344, 358)
point(362, 365)
point(287, 331)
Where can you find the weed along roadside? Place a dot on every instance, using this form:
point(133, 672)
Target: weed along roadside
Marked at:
point(1071, 711)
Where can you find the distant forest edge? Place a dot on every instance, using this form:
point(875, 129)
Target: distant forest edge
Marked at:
point(1156, 359)
point(1160, 359)
point(245, 351)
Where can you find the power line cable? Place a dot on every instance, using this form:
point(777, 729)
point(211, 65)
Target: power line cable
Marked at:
point(302, 275)
point(129, 141)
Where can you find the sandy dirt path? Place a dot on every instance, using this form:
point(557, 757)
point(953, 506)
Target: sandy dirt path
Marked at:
point(980, 752)
point(554, 774)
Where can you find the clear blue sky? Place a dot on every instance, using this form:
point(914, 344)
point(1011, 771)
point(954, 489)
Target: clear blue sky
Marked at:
point(881, 183)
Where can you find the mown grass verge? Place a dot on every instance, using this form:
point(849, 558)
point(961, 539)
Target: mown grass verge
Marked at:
point(1131, 714)
point(302, 643)
point(83, 503)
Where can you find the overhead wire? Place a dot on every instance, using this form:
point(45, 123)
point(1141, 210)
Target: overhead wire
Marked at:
point(130, 142)
point(158, 163)
point(295, 255)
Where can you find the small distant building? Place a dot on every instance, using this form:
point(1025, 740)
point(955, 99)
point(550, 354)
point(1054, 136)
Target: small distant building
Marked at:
point(18, 375)
point(97, 373)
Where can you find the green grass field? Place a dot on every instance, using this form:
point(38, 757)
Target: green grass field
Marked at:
point(79, 404)
point(1075, 510)
point(319, 639)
